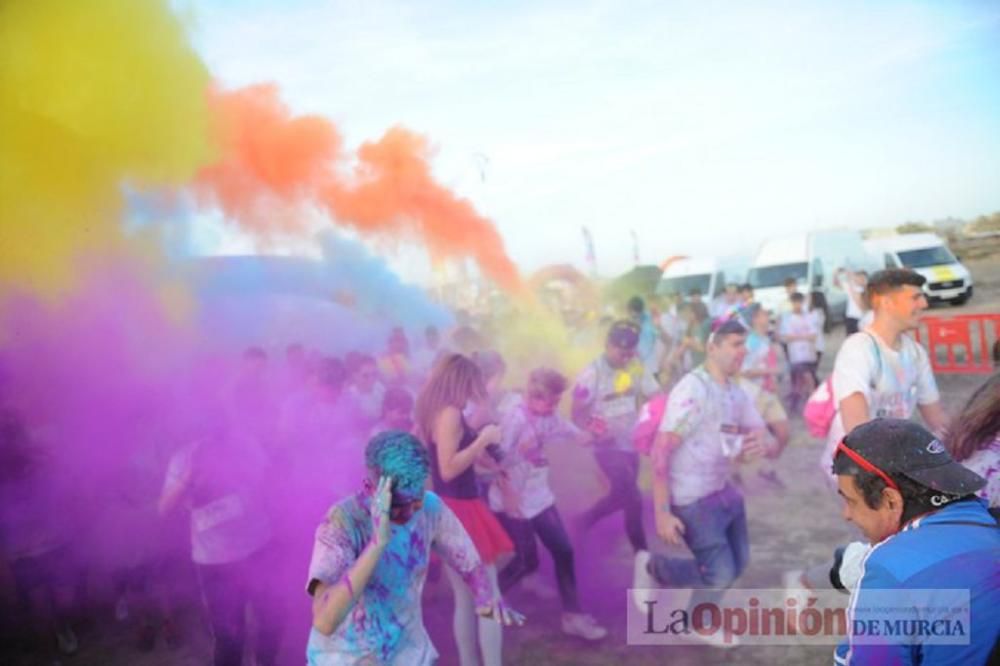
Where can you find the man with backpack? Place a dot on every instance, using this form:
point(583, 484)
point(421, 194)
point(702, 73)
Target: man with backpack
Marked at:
point(709, 424)
point(882, 371)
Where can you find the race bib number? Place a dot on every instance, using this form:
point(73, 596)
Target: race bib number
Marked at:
point(619, 406)
point(215, 513)
point(732, 440)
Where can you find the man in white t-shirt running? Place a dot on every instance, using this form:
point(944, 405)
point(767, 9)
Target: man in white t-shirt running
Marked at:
point(709, 424)
point(882, 371)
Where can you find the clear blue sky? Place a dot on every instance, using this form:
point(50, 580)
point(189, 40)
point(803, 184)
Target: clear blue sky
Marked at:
point(705, 126)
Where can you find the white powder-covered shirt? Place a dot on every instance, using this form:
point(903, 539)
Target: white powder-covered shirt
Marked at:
point(614, 395)
point(385, 625)
point(711, 419)
point(893, 382)
point(524, 490)
point(228, 523)
point(799, 351)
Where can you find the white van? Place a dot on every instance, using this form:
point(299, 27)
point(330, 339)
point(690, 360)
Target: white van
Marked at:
point(811, 259)
point(947, 279)
point(703, 273)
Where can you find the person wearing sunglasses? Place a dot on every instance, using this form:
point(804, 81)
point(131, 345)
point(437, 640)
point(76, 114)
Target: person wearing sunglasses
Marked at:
point(930, 535)
point(370, 560)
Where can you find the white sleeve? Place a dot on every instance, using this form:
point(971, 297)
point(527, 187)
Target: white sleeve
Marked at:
point(685, 407)
point(333, 553)
point(178, 468)
point(927, 390)
point(855, 367)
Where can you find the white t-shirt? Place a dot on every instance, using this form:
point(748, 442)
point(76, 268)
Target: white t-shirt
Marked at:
point(799, 351)
point(526, 483)
point(229, 524)
point(385, 625)
point(892, 382)
point(614, 395)
point(853, 311)
point(711, 420)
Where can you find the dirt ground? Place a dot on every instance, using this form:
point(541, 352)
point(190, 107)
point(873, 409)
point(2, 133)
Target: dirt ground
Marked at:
point(790, 527)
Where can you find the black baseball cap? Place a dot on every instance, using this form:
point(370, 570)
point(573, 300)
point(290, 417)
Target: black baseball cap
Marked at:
point(904, 448)
point(624, 333)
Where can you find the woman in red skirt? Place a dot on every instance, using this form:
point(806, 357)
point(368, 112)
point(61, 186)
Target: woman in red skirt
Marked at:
point(454, 447)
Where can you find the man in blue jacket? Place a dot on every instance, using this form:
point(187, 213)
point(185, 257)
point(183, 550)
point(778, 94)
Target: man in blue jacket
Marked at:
point(930, 535)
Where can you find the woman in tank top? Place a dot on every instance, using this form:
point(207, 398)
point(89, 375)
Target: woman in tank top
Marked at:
point(454, 448)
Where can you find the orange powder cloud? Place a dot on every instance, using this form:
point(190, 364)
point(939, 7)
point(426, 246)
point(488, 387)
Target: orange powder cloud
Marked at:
point(272, 160)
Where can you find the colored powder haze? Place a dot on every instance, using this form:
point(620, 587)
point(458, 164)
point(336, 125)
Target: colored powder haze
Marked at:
point(118, 351)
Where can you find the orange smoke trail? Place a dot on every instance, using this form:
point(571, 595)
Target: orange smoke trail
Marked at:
point(273, 160)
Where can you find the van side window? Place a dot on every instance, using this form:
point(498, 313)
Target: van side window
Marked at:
point(720, 284)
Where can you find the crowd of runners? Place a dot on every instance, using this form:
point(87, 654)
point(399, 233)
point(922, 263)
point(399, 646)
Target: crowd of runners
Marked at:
point(450, 470)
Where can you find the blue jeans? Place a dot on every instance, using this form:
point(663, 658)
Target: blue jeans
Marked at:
point(715, 529)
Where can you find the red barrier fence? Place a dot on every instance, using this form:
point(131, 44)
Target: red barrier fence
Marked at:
point(962, 344)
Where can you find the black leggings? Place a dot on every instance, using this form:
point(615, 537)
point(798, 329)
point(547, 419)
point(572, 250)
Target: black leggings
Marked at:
point(622, 470)
point(549, 528)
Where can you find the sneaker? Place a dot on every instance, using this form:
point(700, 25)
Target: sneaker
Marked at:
point(68, 644)
point(795, 588)
point(583, 626)
point(121, 609)
point(643, 583)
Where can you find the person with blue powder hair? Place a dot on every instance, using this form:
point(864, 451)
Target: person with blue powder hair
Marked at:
point(370, 562)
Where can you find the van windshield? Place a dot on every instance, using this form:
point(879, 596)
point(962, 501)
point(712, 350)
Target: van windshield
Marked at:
point(683, 284)
point(762, 277)
point(928, 256)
